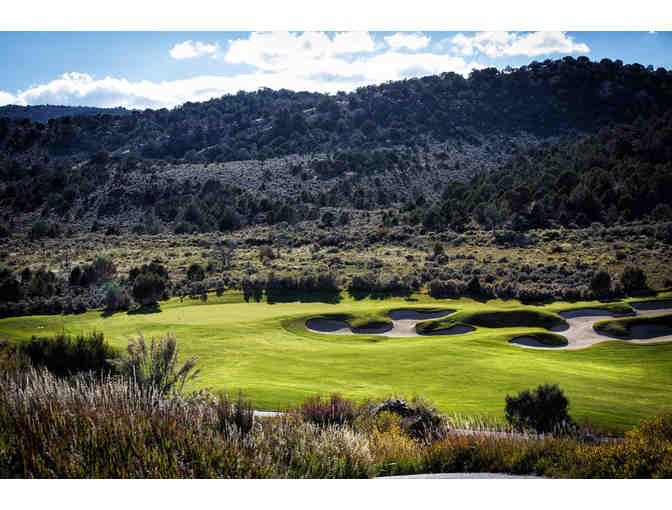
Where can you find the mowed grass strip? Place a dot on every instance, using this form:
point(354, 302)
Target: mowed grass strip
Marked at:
point(265, 351)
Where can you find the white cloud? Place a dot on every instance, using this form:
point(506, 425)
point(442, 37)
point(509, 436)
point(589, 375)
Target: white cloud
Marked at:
point(413, 42)
point(499, 44)
point(190, 49)
point(7, 98)
point(274, 51)
point(310, 61)
point(353, 42)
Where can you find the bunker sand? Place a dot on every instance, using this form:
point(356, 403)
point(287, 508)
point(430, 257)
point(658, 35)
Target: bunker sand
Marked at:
point(580, 333)
point(404, 324)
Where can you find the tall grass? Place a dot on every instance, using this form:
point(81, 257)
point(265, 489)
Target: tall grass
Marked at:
point(110, 427)
point(156, 365)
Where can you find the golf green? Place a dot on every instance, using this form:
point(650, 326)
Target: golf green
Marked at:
point(266, 351)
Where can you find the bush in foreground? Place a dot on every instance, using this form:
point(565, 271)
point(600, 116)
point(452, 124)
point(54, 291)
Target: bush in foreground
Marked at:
point(108, 427)
point(324, 413)
point(93, 427)
point(64, 355)
point(544, 410)
point(155, 366)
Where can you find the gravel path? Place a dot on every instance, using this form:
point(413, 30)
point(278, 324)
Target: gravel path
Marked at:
point(580, 333)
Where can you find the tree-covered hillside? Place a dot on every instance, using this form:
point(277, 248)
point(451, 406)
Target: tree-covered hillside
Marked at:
point(526, 137)
point(549, 98)
point(622, 173)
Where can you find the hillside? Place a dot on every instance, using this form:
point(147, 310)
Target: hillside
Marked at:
point(272, 156)
point(44, 113)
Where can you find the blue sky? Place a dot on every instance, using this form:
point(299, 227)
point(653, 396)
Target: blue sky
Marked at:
point(165, 69)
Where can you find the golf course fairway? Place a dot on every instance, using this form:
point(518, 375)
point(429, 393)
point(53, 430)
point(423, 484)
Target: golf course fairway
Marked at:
point(266, 351)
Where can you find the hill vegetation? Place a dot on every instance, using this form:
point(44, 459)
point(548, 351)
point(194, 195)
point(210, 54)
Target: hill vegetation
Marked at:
point(409, 146)
point(553, 172)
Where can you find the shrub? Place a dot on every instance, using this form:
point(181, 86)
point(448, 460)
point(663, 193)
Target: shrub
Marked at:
point(148, 288)
point(446, 288)
point(75, 276)
point(633, 279)
point(154, 267)
point(474, 287)
point(65, 355)
point(266, 252)
point(103, 268)
point(195, 273)
point(324, 413)
point(42, 229)
point(419, 418)
point(600, 283)
point(394, 450)
point(234, 418)
point(544, 410)
point(116, 298)
point(155, 367)
point(42, 284)
point(10, 288)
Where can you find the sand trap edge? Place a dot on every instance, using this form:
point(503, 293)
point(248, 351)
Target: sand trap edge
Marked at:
point(458, 329)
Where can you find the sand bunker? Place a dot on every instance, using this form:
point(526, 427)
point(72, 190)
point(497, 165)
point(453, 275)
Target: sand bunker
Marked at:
point(459, 329)
point(418, 316)
point(646, 331)
point(652, 305)
point(328, 326)
point(403, 325)
point(580, 333)
point(528, 341)
point(587, 312)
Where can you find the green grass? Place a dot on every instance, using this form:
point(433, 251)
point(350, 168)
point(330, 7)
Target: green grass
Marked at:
point(622, 327)
point(266, 351)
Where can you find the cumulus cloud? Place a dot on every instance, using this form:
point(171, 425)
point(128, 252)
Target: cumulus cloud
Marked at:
point(276, 51)
point(7, 98)
point(311, 61)
point(190, 49)
point(353, 42)
point(500, 44)
point(413, 42)
point(314, 53)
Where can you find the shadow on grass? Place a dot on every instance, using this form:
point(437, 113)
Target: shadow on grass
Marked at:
point(145, 309)
point(284, 296)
